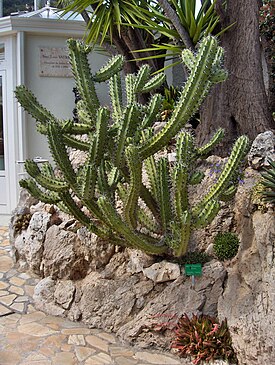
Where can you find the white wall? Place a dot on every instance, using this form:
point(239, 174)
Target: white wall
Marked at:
point(55, 93)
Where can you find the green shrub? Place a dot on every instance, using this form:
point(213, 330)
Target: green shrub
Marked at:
point(226, 245)
point(194, 257)
point(203, 338)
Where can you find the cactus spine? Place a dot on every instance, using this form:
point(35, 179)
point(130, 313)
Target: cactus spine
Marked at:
point(119, 143)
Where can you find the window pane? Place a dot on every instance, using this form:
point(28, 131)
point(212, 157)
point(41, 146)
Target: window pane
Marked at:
point(2, 162)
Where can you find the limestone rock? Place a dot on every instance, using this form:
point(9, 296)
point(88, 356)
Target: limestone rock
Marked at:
point(248, 301)
point(29, 245)
point(44, 297)
point(64, 293)
point(162, 271)
point(263, 147)
point(138, 260)
point(64, 256)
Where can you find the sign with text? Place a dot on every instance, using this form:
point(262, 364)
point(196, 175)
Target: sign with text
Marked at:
point(193, 269)
point(54, 62)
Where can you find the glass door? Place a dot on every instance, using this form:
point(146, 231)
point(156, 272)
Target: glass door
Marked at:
point(4, 200)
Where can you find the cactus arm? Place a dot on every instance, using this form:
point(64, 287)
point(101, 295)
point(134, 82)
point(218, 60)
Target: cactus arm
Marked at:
point(191, 98)
point(83, 77)
point(184, 234)
point(88, 185)
point(129, 119)
point(205, 216)
point(59, 153)
point(131, 201)
point(113, 66)
point(130, 89)
point(72, 128)
point(150, 166)
point(44, 180)
point(164, 193)
point(185, 155)
point(119, 226)
point(76, 212)
point(188, 59)
point(76, 143)
point(141, 78)
point(116, 97)
point(237, 155)
point(83, 115)
point(154, 108)
point(218, 136)
point(153, 83)
point(46, 197)
point(151, 170)
point(100, 136)
point(142, 216)
point(30, 103)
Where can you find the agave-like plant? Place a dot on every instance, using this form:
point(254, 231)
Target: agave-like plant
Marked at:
point(269, 182)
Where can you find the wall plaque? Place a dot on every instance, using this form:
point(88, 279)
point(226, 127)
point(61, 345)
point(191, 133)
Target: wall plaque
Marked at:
point(54, 62)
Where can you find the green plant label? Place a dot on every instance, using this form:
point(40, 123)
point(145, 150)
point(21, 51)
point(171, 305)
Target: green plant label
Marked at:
point(193, 269)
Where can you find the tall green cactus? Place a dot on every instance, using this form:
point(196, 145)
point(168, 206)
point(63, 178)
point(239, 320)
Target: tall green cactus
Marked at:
point(121, 146)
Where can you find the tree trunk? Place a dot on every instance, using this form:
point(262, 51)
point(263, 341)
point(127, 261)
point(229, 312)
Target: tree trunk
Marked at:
point(240, 104)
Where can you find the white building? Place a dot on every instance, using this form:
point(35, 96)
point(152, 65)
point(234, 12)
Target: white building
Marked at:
point(31, 47)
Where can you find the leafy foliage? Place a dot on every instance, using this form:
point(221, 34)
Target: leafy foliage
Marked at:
point(203, 338)
point(269, 182)
point(226, 245)
point(120, 143)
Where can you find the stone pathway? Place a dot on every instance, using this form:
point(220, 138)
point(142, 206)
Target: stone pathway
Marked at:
point(30, 337)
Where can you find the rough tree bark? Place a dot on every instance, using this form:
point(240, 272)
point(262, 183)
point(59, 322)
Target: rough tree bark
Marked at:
point(240, 104)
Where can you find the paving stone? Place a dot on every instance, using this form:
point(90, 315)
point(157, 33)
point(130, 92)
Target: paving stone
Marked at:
point(36, 359)
point(125, 361)
point(8, 299)
point(20, 307)
point(4, 310)
point(36, 329)
point(82, 353)
point(64, 358)
point(6, 263)
point(3, 285)
point(154, 358)
point(9, 357)
point(32, 317)
point(76, 331)
point(65, 347)
point(97, 343)
point(107, 336)
point(17, 281)
point(120, 351)
point(22, 299)
point(99, 359)
point(16, 290)
point(3, 293)
point(77, 340)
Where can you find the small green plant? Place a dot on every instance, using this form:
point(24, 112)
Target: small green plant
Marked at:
point(22, 222)
point(203, 338)
point(194, 257)
point(226, 245)
point(269, 183)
